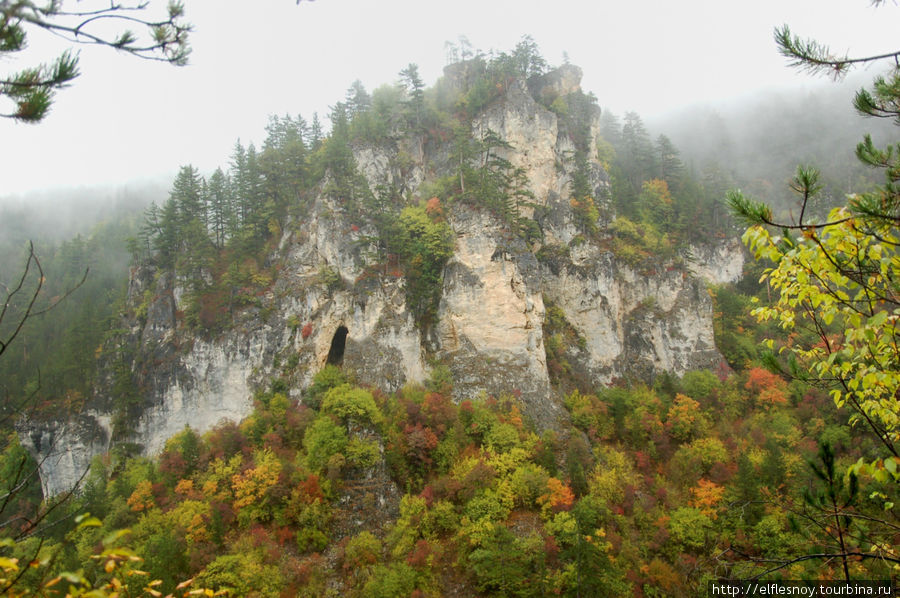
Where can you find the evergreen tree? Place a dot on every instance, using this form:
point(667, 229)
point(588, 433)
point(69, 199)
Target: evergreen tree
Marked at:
point(239, 188)
point(671, 169)
point(188, 196)
point(415, 93)
point(192, 244)
point(527, 58)
point(283, 164)
point(253, 203)
point(165, 243)
point(315, 135)
point(611, 129)
point(219, 202)
point(357, 99)
point(639, 155)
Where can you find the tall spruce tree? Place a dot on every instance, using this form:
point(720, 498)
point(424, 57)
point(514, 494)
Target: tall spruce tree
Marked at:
point(415, 90)
point(219, 202)
point(357, 99)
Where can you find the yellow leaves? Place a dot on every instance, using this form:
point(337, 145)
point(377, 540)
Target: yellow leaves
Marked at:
point(659, 189)
point(216, 483)
point(706, 496)
point(85, 521)
point(507, 461)
point(559, 496)
point(116, 565)
point(837, 281)
point(252, 485)
point(9, 565)
point(614, 471)
point(185, 489)
point(210, 487)
point(142, 497)
point(685, 419)
point(515, 417)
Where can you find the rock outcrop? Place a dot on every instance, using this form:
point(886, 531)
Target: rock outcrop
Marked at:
point(635, 322)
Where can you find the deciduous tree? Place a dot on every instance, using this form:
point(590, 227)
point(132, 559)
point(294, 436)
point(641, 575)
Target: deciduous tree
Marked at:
point(836, 276)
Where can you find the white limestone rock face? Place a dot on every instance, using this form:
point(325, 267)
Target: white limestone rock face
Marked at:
point(533, 133)
point(214, 386)
point(64, 449)
point(634, 324)
point(490, 317)
point(718, 263)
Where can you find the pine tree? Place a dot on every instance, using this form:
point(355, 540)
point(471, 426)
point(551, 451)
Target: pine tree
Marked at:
point(165, 243)
point(528, 59)
point(239, 187)
point(192, 244)
point(188, 196)
point(315, 135)
point(253, 202)
point(357, 99)
point(671, 169)
point(283, 164)
point(415, 92)
point(639, 156)
point(218, 199)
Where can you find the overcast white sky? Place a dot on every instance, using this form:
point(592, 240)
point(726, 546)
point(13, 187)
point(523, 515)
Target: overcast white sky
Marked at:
point(125, 119)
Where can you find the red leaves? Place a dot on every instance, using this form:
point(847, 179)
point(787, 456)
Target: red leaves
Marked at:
point(771, 389)
point(433, 208)
point(420, 441)
point(309, 490)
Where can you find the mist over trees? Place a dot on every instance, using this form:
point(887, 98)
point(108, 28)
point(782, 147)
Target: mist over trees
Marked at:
point(756, 143)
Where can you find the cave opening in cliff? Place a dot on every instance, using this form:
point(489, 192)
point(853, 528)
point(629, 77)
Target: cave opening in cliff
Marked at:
point(338, 342)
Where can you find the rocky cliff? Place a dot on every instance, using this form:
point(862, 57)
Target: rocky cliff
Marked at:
point(633, 321)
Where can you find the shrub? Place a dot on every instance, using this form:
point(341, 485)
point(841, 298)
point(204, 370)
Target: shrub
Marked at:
point(361, 552)
point(323, 439)
point(327, 378)
point(699, 384)
point(689, 527)
point(351, 404)
point(243, 574)
point(362, 453)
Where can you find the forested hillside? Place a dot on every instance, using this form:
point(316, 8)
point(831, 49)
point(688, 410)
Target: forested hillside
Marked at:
point(647, 486)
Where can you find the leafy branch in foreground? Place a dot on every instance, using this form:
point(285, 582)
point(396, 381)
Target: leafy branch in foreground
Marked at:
point(838, 280)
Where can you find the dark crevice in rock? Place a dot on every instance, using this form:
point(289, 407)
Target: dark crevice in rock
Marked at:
point(338, 342)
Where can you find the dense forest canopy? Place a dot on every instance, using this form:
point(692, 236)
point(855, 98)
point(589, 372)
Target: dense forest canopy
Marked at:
point(649, 488)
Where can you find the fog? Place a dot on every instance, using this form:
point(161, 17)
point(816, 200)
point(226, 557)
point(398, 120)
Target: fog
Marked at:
point(759, 140)
point(125, 119)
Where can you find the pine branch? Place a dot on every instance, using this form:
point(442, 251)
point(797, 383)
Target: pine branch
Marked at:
point(816, 58)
